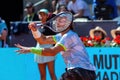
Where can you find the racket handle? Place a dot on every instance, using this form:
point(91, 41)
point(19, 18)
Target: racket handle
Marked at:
point(39, 25)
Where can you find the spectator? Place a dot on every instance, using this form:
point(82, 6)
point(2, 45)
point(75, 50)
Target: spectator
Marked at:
point(99, 37)
point(118, 7)
point(97, 31)
point(116, 37)
point(3, 33)
point(79, 8)
point(103, 11)
point(45, 61)
point(61, 8)
point(31, 15)
point(115, 32)
point(56, 4)
point(106, 9)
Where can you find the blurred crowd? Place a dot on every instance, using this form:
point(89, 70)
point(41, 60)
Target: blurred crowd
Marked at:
point(90, 9)
point(81, 9)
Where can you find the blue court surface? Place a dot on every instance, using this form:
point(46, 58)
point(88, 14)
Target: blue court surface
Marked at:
point(23, 67)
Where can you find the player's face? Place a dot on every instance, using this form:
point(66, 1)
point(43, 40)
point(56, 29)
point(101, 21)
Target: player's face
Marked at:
point(61, 21)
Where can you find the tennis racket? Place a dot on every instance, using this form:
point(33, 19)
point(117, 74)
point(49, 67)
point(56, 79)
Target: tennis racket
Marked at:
point(58, 23)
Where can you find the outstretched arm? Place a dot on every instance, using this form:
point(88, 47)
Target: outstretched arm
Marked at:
point(22, 49)
point(40, 51)
point(52, 51)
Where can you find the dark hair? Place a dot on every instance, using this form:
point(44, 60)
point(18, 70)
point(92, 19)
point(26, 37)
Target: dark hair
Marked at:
point(30, 4)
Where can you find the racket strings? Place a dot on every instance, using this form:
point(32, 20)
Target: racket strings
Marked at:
point(56, 25)
point(62, 22)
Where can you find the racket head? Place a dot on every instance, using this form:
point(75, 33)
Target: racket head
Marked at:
point(58, 23)
point(61, 21)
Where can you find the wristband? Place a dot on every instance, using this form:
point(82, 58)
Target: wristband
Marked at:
point(36, 34)
point(36, 50)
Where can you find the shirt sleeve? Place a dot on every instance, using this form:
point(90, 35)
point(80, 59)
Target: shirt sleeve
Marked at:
point(66, 41)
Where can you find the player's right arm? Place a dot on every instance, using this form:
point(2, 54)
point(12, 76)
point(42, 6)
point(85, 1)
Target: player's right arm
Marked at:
point(39, 37)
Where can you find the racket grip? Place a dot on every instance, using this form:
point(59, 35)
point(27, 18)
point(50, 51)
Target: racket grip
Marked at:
point(39, 25)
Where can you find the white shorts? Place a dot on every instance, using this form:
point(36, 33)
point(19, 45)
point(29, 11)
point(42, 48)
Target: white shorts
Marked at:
point(43, 59)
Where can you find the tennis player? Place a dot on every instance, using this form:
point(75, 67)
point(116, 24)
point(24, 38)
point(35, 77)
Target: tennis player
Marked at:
point(68, 43)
